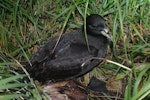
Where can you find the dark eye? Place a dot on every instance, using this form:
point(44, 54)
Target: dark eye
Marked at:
point(101, 25)
point(92, 26)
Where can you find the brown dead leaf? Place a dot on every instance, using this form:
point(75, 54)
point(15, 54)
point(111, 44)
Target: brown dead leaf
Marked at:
point(114, 85)
point(65, 90)
point(74, 92)
point(53, 90)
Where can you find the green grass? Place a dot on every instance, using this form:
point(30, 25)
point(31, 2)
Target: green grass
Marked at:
point(26, 24)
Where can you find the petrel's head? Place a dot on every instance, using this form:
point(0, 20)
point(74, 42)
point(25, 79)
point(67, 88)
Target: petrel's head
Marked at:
point(95, 25)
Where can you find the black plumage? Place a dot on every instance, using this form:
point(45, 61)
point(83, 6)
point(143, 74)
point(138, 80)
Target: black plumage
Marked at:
point(71, 57)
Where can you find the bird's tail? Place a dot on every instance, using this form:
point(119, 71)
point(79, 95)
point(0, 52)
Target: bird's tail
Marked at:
point(25, 66)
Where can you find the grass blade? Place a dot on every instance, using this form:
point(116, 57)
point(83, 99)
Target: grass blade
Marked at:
point(10, 96)
point(10, 79)
point(12, 86)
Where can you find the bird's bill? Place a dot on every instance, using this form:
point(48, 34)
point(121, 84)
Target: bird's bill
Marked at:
point(105, 33)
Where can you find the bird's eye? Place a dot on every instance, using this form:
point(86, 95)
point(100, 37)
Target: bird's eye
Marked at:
point(101, 25)
point(91, 26)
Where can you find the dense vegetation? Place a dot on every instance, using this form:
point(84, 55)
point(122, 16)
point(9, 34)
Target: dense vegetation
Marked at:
point(26, 24)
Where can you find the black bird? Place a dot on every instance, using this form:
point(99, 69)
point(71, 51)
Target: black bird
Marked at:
point(71, 58)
